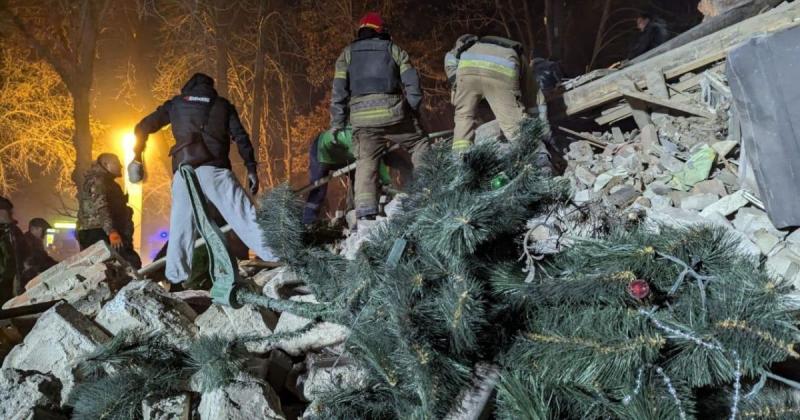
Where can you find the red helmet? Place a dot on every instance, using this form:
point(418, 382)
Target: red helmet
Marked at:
point(371, 20)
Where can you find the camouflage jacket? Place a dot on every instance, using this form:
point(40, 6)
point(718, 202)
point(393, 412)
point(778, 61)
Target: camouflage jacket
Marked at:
point(102, 204)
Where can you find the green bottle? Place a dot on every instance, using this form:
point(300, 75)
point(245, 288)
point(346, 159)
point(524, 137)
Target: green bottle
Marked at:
point(499, 181)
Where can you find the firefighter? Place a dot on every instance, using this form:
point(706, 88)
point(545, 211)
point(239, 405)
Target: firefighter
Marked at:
point(204, 124)
point(328, 153)
point(103, 211)
point(495, 69)
point(378, 92)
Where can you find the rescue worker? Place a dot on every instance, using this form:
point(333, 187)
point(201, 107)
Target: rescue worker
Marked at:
point(377, 90)
point(652, 33)
point(328, 153)
point(204, 124)
point(38, 260)
point(495, 69)
point(103, 212)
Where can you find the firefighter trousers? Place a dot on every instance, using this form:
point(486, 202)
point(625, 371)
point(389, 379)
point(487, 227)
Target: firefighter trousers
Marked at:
point(369, 145)
point(505, 100)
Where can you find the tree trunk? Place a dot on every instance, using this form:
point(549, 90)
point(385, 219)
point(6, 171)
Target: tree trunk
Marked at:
point(221, 44)
point(82, 137)
point(258, 80)
point(554, 14)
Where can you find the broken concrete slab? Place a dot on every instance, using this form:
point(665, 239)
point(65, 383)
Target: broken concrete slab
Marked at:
point(749, 220)
point(330, 378)
point(583, 196)
point(622, 196)
point(785, 263)
point(174, 407)
point(244, 399)
point(727, 205)
point(711, 186)
point(144, 306)
point(698, 201)
point(322, 335)
point(610, 178)
point(86, 280)
point(279, 283)
point(23, 393)
point(724, 147)
point(765, 241)
point(580, 151)
point(247, 321)
point(55, 345)
point(585, 176)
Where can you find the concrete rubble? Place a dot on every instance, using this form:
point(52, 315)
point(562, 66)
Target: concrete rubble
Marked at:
point(175, 407)
point(680, 171)
point(145, 306)
point(56, 344)
point(28, 394)
point(242, 400)
point(324, 334)
point(86, 280)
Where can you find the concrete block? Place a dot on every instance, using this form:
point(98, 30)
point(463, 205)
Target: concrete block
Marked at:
point(23, 393)
point(241, 400)
point(323, 335)
point(247, 321)
point(55, 345)
point(727, 205)
point(175, 407)
point(698, 201)
point(144, 306)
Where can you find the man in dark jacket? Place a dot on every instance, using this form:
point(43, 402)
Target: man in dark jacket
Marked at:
point(199, 114)
point(103, 212)
point(652, 33)
point(38, 260)
point(378, 91)
point(9, 275)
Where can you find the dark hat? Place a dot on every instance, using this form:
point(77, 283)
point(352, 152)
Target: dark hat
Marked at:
point(5, 204)
point(40, 223)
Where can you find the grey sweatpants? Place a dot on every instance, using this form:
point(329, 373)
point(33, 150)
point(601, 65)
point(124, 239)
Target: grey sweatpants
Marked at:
point(223, 191)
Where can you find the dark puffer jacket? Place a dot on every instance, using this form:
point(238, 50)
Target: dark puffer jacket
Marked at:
point(187, 112)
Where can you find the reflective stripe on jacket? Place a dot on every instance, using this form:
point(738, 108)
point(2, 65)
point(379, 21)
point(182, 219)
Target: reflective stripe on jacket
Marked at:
point(373, 83)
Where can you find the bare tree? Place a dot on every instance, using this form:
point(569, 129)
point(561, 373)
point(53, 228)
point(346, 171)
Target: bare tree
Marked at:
point(64, 34)
point(36, 122)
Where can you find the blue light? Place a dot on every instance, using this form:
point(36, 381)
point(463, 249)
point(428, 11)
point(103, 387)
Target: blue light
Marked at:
point(163, 234)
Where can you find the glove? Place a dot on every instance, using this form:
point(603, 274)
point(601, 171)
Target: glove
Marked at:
point(115, 239)
point(252, 181)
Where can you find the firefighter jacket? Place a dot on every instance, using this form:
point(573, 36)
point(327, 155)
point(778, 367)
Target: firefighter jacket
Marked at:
point(189, 114)
point(103, 205)
point(495, 57)
point(374, 84)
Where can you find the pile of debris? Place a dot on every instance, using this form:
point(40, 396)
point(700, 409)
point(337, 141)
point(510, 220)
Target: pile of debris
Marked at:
point(681, 171)
point(97, 299)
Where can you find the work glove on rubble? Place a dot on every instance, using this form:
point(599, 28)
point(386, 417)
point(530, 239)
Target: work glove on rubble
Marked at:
point(252, 181)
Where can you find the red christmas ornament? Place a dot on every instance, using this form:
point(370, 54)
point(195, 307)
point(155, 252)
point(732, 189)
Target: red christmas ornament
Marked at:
point(639, 289)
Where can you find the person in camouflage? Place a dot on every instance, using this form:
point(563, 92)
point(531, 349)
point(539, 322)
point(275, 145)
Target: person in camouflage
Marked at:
point(103, 212)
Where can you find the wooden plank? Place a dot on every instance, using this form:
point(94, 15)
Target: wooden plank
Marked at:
point(656, 85)
point(618, 114)
point(681, 60)
point(666, 103)
point(594, 141)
